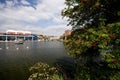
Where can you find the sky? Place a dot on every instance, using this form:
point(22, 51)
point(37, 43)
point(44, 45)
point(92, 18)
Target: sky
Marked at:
point(38, 16)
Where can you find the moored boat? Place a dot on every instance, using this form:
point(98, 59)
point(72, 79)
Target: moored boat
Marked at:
point(20, 41)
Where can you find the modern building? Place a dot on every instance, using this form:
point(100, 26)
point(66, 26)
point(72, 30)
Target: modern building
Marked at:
point(14, 32)
point(13, 35)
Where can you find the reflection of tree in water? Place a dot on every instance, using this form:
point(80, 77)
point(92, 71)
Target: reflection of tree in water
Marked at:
point(67, 66)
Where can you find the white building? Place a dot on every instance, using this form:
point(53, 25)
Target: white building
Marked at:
point(14, 32)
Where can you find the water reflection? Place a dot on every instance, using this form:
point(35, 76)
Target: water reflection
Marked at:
point(15, 59)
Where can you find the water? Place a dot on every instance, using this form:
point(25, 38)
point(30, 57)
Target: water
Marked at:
point(16, 59)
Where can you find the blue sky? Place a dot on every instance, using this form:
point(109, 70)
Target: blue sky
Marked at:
point(38, 16)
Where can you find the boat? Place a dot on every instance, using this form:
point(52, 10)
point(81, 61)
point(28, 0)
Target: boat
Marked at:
point(20, 41)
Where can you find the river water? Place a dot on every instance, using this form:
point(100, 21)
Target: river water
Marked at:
point(16, 59)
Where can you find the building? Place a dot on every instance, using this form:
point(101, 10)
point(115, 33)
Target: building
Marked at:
point(66, 34)
point(13, 35)
point(14, 32)
point(1, 33)
point(54, 37)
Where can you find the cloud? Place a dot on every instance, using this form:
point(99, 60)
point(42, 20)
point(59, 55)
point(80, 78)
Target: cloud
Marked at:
point(9, 4)
point(25, 2)
point(44, 10)
point(1, 5)
point(23, 17)
point(56, 30)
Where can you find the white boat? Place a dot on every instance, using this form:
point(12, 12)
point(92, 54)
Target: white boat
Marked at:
point(20, 41)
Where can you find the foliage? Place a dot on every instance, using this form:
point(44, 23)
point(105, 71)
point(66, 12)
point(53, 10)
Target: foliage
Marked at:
point(42, 71)
point(91, 12)
point(57, 77)
point(98, 50)
point(95, 40)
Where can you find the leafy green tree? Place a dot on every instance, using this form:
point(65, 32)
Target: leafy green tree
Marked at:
point(95, 40)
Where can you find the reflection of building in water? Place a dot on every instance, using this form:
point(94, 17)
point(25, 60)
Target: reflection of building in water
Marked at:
point(12, 35)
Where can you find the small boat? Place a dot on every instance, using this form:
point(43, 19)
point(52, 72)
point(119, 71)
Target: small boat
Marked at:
point(20, 41)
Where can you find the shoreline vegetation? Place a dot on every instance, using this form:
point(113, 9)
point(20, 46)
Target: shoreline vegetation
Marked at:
point(63, 69)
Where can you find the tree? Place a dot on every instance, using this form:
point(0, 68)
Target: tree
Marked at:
point(91, 12)
point(95, 39)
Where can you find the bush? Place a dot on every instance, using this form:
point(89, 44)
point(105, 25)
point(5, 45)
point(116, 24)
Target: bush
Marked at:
point(42, 71)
